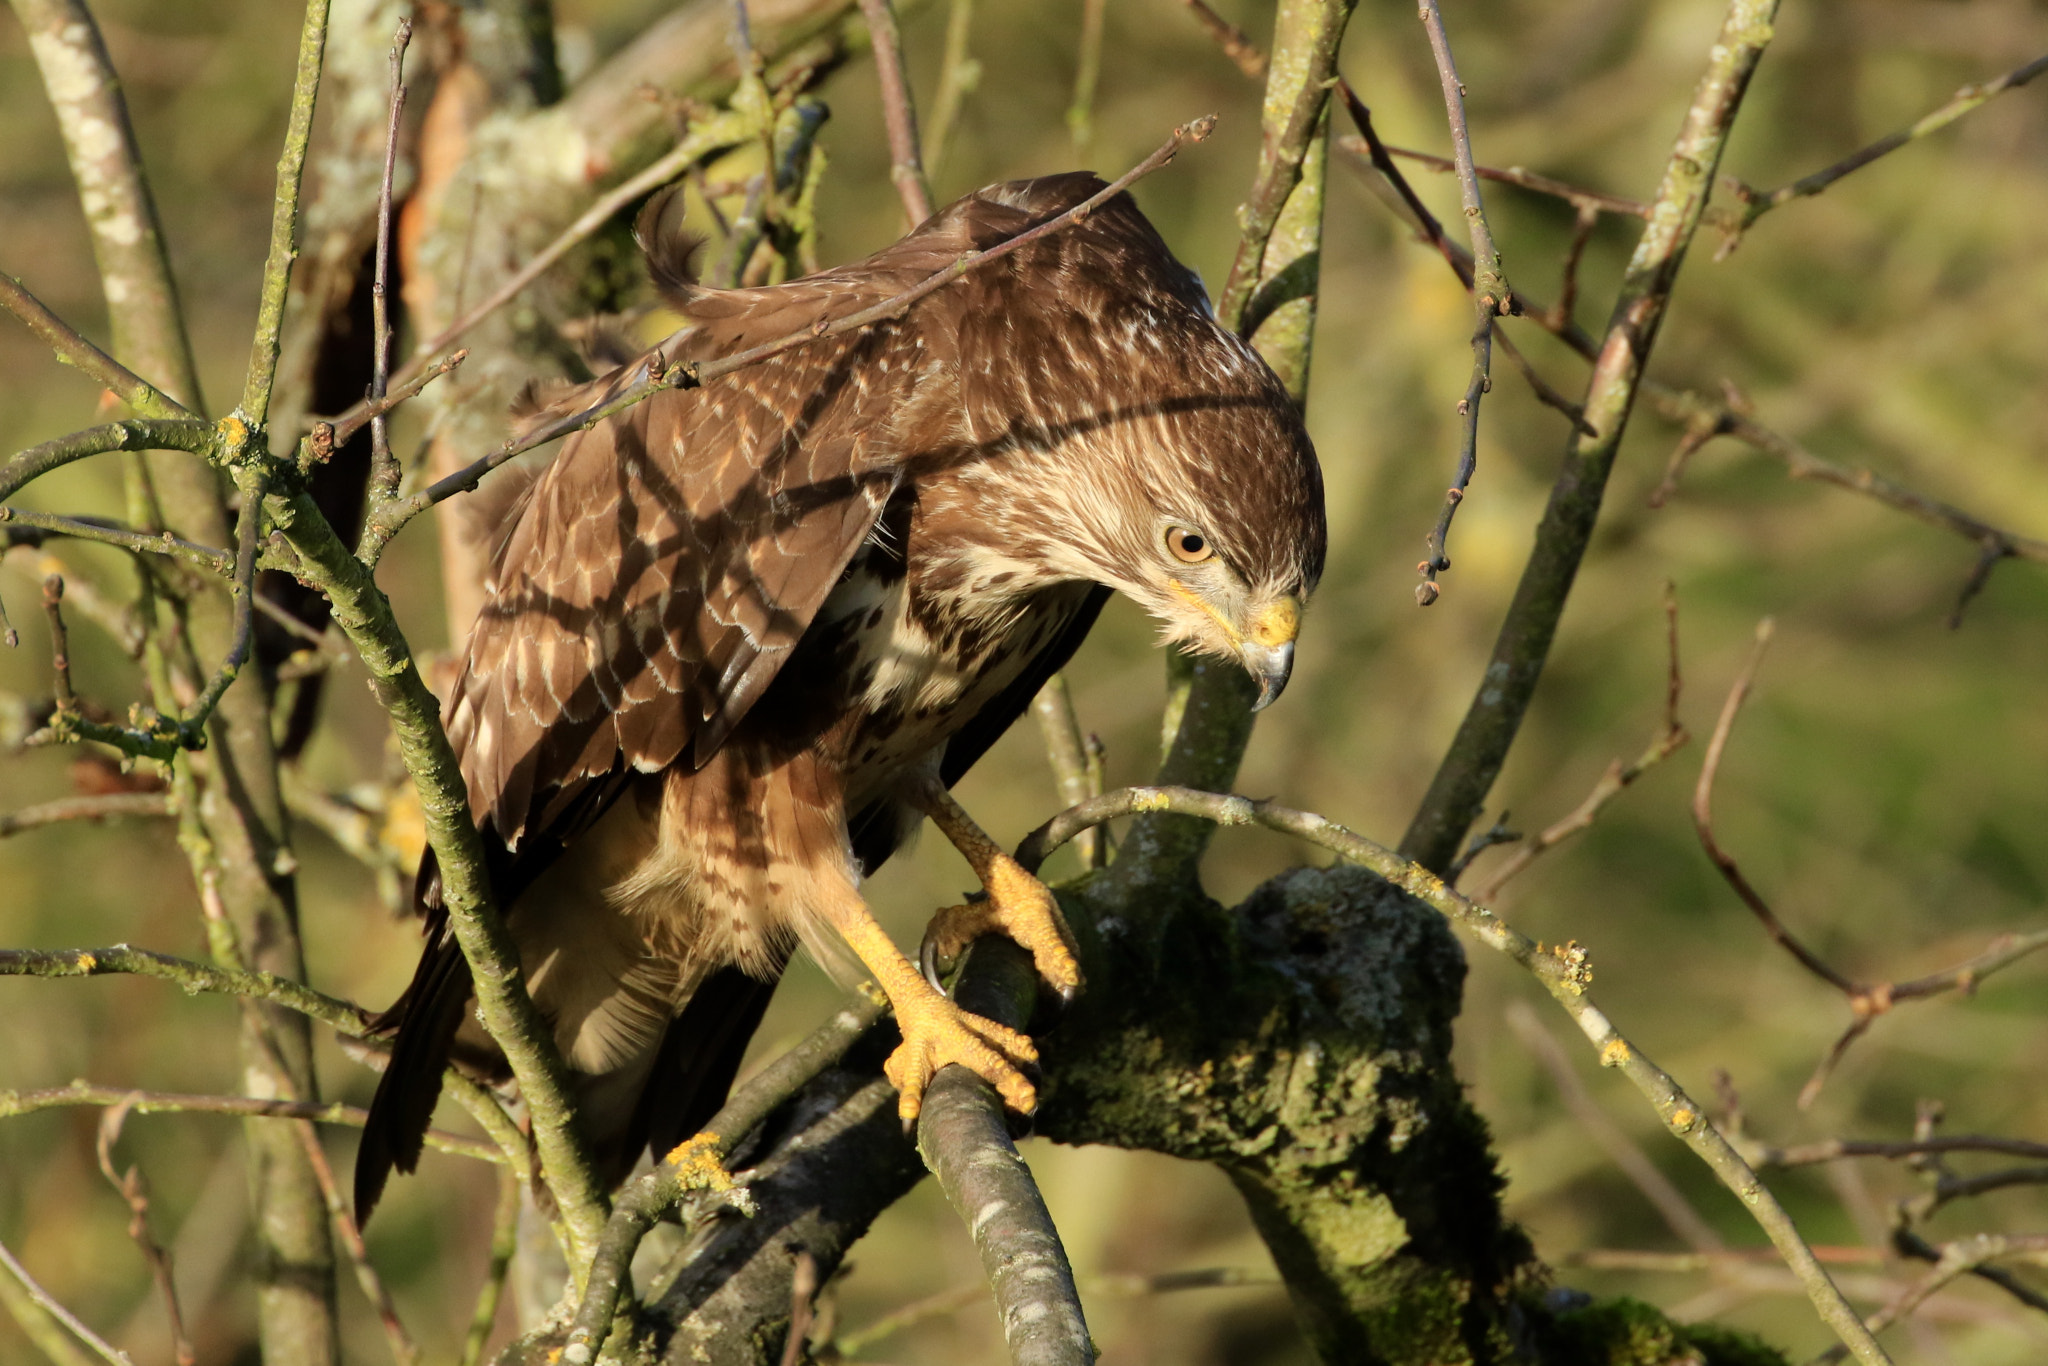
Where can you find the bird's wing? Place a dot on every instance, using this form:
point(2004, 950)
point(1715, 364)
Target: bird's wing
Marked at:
point(664, 567)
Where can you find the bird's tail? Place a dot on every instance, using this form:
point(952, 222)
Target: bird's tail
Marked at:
point(426, 1018)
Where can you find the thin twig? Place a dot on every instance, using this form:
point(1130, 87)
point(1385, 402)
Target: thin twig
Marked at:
point(504, 1243)
point(658, 375)
point(1669, 1202)
point(110, 805)
point(64, 1316)
point(899, 114)
point(1491, 298)
point(131, 434)
point(719, 131)
point(1835, 1149)
point(1669, 739)
point(41, 525)
point(1232, 39)
point(384, 471)
point(134, 1192)
point(959, 74)
point(14, 1103)
point(1068, 753)
point(74, 350)
point(803, 1293)
point(1703, 823)
point(254, 408)
point(1594, 201)
point(404, 1350)
point(1756, 203)
point(1087, 75)
point(1458, 791)
point(1563, 970)
point(243, 587)
point(1959, 1258)
point(341, 429)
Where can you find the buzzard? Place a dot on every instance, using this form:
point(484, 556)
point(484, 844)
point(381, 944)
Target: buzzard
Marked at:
point(740, 640)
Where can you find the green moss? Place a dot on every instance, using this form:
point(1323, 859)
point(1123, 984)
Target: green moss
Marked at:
point(1628, 1332)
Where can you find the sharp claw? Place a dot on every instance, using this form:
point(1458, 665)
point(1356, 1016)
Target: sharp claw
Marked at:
point(928, 959)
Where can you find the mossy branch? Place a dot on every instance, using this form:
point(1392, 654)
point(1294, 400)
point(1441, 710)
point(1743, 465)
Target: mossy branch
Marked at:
point(1564, 971)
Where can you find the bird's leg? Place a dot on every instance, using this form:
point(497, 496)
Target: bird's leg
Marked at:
point(1017, 905)
point(935, 1030)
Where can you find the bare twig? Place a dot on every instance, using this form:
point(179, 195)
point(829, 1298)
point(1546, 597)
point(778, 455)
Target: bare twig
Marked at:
point(243, 587)
point(719, 131)
point(1087, 74)
point(35, 527)
point(1491, 298)
point(113, 804)
point(1959, 1258)
point(403, 1349)
point(1563, 970)
point(133, 434)
point(74, 350)
point(1232, 39)
point(1470, 766)
point(134, 1191)
point(106, 1351)
point(1068, 753)
point(384, 471)
point(1593, 201)
point(343, 428)
point(1669, 1202)
point(504, 1243)
point(1756, 203)
point(899, 114)
point(1669, 739)
point(803, 1293)
point(254, 408)
point(959, 74)
point(657, 374)
point(170, 1102)
point(1703, 823)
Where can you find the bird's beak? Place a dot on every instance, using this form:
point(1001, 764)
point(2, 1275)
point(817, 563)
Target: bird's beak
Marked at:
point(1270, 665)
point(1268, 649)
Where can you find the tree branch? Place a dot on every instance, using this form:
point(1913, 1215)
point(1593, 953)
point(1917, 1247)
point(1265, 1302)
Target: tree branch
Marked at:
point(1756, 203)
point(1491, 298)
point(254, 408)
point(74, 350)
point(142, 804)
point(49, 1305)
point(1475, 756)
point(899, 113)
point(1563, 970)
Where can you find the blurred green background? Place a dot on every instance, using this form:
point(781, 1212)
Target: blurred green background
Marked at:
point(1887, 788)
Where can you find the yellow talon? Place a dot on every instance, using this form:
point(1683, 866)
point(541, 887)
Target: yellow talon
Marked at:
point(1020, 907)
point(936, 1033)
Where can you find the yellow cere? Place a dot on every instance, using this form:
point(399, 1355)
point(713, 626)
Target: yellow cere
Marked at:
point(1277, 623)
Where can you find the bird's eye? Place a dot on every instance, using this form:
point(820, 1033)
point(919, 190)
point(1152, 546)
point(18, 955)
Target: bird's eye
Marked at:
point(1188, 545)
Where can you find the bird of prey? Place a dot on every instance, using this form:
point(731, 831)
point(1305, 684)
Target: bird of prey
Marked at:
point(740, 640)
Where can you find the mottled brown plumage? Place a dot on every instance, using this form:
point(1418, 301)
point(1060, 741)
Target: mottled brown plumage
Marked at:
point(738, 640)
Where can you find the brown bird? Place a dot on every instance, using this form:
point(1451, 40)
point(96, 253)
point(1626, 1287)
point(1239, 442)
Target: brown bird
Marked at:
point(740, 640)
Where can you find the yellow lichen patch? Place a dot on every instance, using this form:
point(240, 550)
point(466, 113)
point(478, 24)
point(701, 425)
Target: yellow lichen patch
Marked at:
point(698, 1165)
point(1615, 1053)
point(1683, 1119)
point(86, 962)
point(1277, 623)
point(233, 431)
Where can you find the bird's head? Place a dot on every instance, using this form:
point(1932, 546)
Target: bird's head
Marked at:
point(1139, 443)
point(1225, 543)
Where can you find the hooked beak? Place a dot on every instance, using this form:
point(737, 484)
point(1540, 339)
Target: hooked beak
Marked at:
point(1268, 649)
point(1269, 665)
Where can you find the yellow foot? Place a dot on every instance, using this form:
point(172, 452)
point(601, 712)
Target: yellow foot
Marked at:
point(936, 1032)
point(1020, 906)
